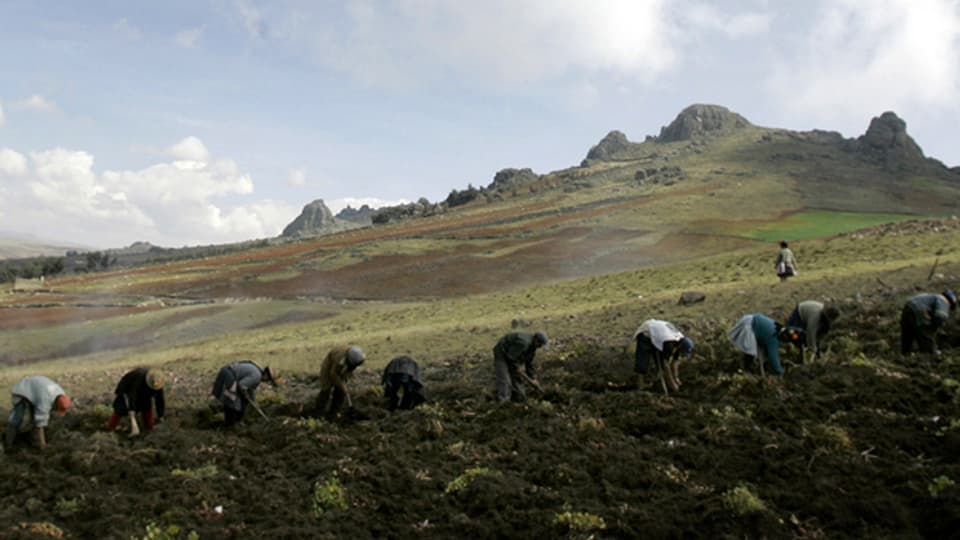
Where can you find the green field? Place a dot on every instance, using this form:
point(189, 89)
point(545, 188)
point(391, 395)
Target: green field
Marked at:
point(821, 224)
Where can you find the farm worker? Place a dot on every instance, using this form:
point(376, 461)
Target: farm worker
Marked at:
point(920, 319)
point(668, 347)
point(757, 337)
point(786, 263)
point(337, 368)
point(512, 351)
point(236, 386)
point(137, 392)
point(34, 398)
point(402, 374)
point(813, 319)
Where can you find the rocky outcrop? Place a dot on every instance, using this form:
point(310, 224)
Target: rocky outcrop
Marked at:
point(507, 179)
point(702, 120)
point(360, 215)
point(315, 218)
point(614, 143)
point(886, 141)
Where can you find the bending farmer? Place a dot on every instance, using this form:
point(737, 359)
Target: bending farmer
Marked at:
point(402, 376)
point(668, 347)
point(922, 317)
point(137, 392)
point(512, 351)
point(336, 370)
point(236, 386)
point(34, 398)
point(757, 337)
point(814, 319)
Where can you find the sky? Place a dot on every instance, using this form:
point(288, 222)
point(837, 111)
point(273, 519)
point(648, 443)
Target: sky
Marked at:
point(190, 122)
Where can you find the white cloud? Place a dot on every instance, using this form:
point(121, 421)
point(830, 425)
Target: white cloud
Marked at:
point(127, 30)
point(734, 26)
point(36, 102)
point(863, 57)
point(189, 149)
point(498, 41)
point(252, 20)
point(297, 177)
point(12, 163)
point(188, 39)
point(60, 196)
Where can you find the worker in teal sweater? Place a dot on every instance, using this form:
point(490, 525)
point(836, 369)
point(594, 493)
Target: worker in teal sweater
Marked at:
point(758, 337)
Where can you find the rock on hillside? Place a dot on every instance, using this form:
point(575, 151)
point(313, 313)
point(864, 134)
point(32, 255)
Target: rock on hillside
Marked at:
point(613, 143)
point(886, 142)
point(699, 120)
point(315, 218)
point(360, 215)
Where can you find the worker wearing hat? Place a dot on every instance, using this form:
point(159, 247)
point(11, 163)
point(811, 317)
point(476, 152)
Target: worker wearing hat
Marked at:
point(34, 398)
point(236, 385)
point(513, 351)
point(668, 346)
point(337, 368)
point(137, 392)
point(922, 317)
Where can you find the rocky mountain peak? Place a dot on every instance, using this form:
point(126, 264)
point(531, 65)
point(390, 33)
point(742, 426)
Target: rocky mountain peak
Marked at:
point(886, 140)
point(612, 143)
point(315, 218)
point(699, 120)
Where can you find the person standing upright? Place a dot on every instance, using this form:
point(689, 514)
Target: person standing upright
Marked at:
point(786, 263)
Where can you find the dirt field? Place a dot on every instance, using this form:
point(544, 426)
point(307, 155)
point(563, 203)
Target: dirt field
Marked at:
point(857, 446)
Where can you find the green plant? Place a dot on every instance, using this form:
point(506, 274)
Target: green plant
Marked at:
point(938, 484)
point(67, 507)
point(580, 522)
point(742, 501)
point(465, 479)
point(328, 495)
point(206, 471)
point(170, 532)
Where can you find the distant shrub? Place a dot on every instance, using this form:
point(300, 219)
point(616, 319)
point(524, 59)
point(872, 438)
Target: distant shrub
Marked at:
point(461, 482)
point(580, 522)
point(328, 495)
point(829, 437)
point(207, 471)
point(170, 532)
point(939, 484)
point(742, 501)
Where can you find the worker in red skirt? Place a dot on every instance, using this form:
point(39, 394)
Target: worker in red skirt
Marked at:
point(137, 392)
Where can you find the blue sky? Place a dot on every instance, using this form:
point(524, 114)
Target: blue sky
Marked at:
point(195, 122)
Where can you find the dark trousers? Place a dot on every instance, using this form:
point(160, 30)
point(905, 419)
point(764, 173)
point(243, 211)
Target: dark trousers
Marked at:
point(335, 403)
point(411, 392)
point(231, 416)
point(13, 425)
point(909, 332)
point(645, 351)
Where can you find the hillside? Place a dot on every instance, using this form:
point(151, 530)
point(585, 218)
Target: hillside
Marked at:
point(861, 444)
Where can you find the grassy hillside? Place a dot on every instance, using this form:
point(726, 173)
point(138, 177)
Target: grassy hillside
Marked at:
point(860, 444)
